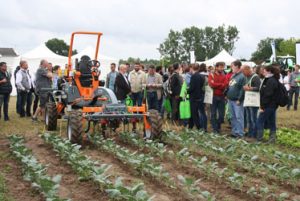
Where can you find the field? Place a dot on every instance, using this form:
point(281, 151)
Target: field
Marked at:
point(188, 165)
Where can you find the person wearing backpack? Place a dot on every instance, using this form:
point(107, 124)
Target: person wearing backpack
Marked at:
point(269, 96)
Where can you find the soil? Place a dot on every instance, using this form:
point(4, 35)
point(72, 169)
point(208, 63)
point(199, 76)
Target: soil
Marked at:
point(161, 192)
point(18, 189)
point(70, 186)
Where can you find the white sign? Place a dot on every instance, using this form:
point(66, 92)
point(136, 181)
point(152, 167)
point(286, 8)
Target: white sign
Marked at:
point(209, 93)
point(192, 57)
point(252, 99)
point(297, 53)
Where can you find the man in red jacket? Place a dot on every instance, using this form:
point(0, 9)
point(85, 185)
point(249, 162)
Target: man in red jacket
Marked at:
point(218, 82)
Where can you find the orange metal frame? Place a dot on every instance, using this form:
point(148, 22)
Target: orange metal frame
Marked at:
point(87, 92)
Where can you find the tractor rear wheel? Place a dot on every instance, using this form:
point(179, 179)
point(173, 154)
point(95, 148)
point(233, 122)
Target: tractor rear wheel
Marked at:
point(51, 116)
point(75, 127)
point(156, 123)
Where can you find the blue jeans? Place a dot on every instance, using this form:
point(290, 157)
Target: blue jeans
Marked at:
point(137, 98)
point(251, 114)
point(237, 118)
point(152, 100)
point(217, 113)
point(267, 116)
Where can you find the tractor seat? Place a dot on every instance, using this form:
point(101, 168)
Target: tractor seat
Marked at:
point(86, 74)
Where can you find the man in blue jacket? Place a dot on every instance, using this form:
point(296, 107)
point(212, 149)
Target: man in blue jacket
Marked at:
point(235, 97)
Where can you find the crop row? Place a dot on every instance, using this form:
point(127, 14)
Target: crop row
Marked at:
point(247, 161)
point(145, 165)
point(221, 143)
point(88, 169)
point(287, 136)
point(34, 171)
point(209, 168)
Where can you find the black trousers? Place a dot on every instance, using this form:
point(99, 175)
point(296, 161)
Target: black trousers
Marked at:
point(4, 101)
point(28, 103)
point(35, 102)
point(175, 108)
point(195, 115)
point(23, 99)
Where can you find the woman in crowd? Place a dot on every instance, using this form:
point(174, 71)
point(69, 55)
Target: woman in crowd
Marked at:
point(268, 105)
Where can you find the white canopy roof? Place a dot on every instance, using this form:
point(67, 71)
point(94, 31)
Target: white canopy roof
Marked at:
point(105, 61)
point(42, 52)
point(222, 56)
point(34, 57)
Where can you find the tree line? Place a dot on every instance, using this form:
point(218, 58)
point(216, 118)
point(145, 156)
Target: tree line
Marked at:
point(206, 43)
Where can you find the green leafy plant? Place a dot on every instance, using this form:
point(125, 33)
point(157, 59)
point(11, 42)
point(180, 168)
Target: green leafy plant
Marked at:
point(34, 171)
point(88, 169)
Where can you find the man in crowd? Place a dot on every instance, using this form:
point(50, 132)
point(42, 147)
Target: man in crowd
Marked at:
point(235, 97)
point(175, 87)
point(153, 88)
point(218, 82)
point(122, 85)
point(18, 102)
point(30, 93)
point(137, 80)
point(252, 84)
point(111, 77)
point(24, 87)
point(160, 100)
point(196, 96)
point(5, 89)
point(43, 80)
point(295, 86)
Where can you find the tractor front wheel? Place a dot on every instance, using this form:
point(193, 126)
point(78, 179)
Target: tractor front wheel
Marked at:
point(75, 127)
point(156, 123)
point(51, 116)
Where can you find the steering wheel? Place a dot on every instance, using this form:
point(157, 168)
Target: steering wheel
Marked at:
point(93, 63)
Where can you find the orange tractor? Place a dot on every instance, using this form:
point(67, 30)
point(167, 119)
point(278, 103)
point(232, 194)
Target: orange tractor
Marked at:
point(84, 103)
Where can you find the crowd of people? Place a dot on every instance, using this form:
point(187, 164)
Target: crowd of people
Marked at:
point(31, 99)
point(230, 87)
point(247, 96)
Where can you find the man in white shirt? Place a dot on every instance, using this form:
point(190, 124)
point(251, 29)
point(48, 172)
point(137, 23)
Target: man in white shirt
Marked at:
point(24, 85)
point(137, 80)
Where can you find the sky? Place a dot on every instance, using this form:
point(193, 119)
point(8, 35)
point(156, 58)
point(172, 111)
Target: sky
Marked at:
point(135, 28)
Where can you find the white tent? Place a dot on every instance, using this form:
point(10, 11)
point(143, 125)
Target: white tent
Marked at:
point(223, 56)
point(105, 61)
point(34, 56)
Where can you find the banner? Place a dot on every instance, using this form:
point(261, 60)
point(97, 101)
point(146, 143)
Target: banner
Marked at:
point(273, 51)
point(192, 57)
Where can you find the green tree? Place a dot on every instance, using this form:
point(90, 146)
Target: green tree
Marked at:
point(146, 62)
point(206, 43)
point(288, 47)
point(264, 49)
point(59, 47)
point(172, 48)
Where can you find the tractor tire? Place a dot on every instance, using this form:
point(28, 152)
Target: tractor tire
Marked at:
point(75, 127)
point(156, 125)
point(51, 116)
